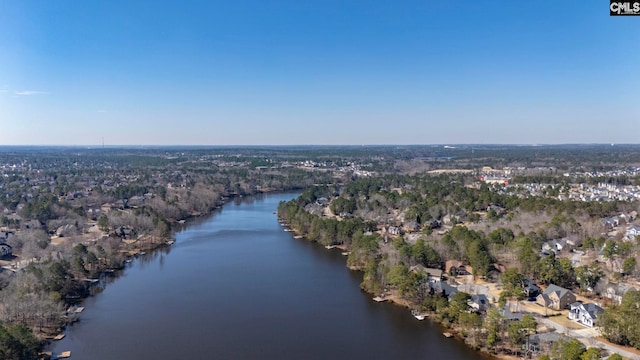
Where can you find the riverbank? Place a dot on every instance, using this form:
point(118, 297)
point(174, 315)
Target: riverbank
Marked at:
point(203, 294)
point(104, 274)
point(393, 296)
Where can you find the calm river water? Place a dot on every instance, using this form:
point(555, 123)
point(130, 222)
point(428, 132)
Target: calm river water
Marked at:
point(236, 286)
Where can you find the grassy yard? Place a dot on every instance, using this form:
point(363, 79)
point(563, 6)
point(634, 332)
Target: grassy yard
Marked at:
point(564, 321)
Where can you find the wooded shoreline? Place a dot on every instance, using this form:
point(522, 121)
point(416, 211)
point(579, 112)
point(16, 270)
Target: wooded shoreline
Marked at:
point(395, 299)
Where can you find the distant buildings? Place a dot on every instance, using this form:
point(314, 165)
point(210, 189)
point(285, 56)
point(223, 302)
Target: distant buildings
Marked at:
point(500, 180)
point(5, 249)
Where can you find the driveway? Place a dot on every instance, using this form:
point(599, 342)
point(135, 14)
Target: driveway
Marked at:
point(587, 337)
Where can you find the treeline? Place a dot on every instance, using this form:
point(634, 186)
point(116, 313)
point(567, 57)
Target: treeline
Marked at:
point(326, 231)
point(472, 247)
point(620, 324)
point(17, 342)
point(134, 205)
point(391, 263)
point(424, 199)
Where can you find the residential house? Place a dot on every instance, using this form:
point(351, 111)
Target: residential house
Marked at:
point(556, 297)
point(455, 268)
point(497, 209)
point(393, 230)
point(434, 275)
point(531, 290)
point(5, 250)
point(616, 291)
point(434, 224)
point(576, 258)
point(557, 245)
point(628, 217)
point(479, 302)
point(509, 314)
point(442, 288)
point(4, 235)
point(632, 232)
point(611, 222)
point(585, 314)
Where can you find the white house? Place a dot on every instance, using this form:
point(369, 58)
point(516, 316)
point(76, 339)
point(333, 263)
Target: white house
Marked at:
point(557, 245)
point(585, 314)
point(479, 302)
point(632, 232)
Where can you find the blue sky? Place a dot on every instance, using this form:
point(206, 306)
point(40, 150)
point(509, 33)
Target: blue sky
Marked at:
point(317, 72)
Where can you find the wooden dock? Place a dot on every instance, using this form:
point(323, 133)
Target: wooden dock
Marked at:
point(64, 355)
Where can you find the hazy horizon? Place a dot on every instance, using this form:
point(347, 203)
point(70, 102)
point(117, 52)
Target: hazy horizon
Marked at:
point(451, 145)
point(318, 73)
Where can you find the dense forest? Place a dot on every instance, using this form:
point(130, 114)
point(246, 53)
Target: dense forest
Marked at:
point(449, 217)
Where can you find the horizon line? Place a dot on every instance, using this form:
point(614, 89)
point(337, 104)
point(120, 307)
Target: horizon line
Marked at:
point(310, 145)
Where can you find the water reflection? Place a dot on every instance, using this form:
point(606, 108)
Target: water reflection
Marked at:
point(236, 286)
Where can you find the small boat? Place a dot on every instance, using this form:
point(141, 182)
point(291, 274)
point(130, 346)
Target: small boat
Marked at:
point(447, 334)
point(329, 247)
point(417, 315)
point(379, 298)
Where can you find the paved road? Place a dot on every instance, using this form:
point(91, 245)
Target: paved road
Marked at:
point(586, 338)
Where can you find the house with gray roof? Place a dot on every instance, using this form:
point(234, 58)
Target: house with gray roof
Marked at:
point(510, 315)
point(616, 291)
point(442, 288)
point(585, 314)
point(432, 274)
point(531, 290)
point(5, 250)
point(479, 302)
point(556, 297)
